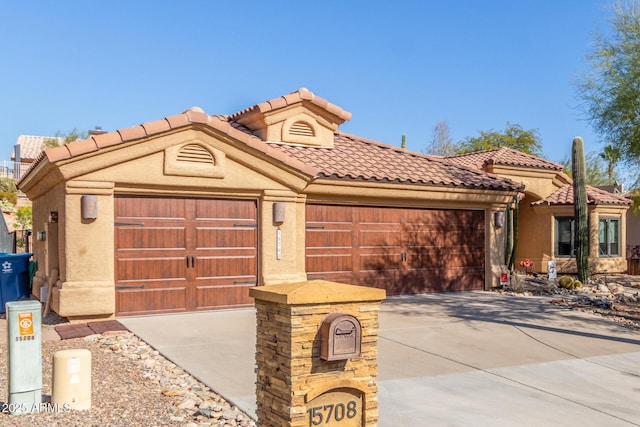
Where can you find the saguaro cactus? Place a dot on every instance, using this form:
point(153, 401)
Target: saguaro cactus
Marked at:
point(514, 243)
point(581, 229)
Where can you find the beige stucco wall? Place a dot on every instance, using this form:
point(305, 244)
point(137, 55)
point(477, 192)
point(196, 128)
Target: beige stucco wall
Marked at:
point(86, 247)
point(543, 248)
point(538, 183)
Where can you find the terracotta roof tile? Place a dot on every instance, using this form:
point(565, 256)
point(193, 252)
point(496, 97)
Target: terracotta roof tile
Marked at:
point(177, 121)
point(58, 153)
point(595, 196)
point(82, 146)
point(355, 158)
point(107, 139)
point(351, 157)
point(505, 157)
point(276, 103)
point(196, 115)
point(134, 132)
point(300, 95)
point(156, 127)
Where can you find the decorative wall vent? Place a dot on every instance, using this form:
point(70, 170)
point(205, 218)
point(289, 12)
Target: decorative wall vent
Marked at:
point(195, 153)
point(194, 159)
point(301, 129)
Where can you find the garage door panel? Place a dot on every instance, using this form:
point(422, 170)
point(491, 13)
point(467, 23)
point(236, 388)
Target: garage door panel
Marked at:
point(223, 266)
point(329, 238)
point(225, 237)
point(192, 243)
point(151, 238)
point(336, 263)
point(212, 297)
point(129, 207)
point(136, 269)
point(376, 238)
point(403, 250)
point(161, 300)
point(243, 210)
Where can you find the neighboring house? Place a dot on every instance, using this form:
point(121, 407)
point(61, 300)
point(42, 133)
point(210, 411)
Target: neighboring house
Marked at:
point(188, 212)
point(25, 151)
point(31, 147)
point(546, 213)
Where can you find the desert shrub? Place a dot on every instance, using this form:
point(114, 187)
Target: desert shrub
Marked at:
point(9, 197)
point(8, 185)
point(6, 206)
point(566, 282)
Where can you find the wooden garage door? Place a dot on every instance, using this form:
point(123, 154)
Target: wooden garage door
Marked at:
point(404, 251)
point(176, 254)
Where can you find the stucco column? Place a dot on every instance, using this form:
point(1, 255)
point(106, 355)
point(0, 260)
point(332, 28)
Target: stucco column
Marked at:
point(87, 287)
point(282, 225)
point(495, 246)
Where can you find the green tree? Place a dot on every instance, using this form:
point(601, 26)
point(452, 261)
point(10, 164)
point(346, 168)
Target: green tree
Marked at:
point(610, 91)
point(23, 218)
point(611, 155)
point(595, 169)
point(72, 135)
point(514, 136)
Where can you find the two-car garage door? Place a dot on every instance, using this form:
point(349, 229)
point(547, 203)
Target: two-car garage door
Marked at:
point(175, 254)
point(402, 250)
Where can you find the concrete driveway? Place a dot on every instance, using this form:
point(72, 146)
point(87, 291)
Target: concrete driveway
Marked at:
point(461, 359)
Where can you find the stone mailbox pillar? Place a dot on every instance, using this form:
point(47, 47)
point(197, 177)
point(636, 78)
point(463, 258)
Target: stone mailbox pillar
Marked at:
point(317, 354)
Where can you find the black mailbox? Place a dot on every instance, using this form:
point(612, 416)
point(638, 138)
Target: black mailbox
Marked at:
point(341, 337)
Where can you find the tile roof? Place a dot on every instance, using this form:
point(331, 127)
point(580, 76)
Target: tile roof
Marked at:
point(31, 146)
point(351, 158)
point(298, 96)
point(356, 158)
point(595, 196)
point(503, 156)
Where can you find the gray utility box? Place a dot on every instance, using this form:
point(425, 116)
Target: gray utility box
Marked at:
point(24, 336)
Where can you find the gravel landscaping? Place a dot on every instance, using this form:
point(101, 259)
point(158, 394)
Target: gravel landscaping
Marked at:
point(615, 297)
point(132, 385)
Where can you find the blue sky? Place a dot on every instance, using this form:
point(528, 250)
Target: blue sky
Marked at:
point(398, 67)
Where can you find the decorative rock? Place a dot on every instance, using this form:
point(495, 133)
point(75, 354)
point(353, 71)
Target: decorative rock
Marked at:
point(186, 404)
point(615, 288)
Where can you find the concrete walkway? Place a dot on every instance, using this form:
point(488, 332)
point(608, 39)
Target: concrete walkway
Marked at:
point(463, 359)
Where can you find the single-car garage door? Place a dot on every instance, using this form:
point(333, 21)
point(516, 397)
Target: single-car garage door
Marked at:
point(176, 254)
point(402, 250)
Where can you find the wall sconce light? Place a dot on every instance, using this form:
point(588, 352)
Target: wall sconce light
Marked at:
point(498, 219)
point(89, 207)
point(278, 212)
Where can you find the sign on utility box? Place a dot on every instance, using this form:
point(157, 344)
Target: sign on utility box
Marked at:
point(24, 333)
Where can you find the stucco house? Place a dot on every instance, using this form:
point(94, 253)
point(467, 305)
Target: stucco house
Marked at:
point(546, 213)
point(188, 212)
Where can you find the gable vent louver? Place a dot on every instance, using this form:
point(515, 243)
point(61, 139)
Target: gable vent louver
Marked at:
point(301, 129)
point(194, 153)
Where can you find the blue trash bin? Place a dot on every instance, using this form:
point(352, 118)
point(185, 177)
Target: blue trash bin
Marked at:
point(14, 278)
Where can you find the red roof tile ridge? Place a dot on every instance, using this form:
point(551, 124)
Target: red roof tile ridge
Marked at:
point(500, 156)
point(595, 196)
point(297, 96)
